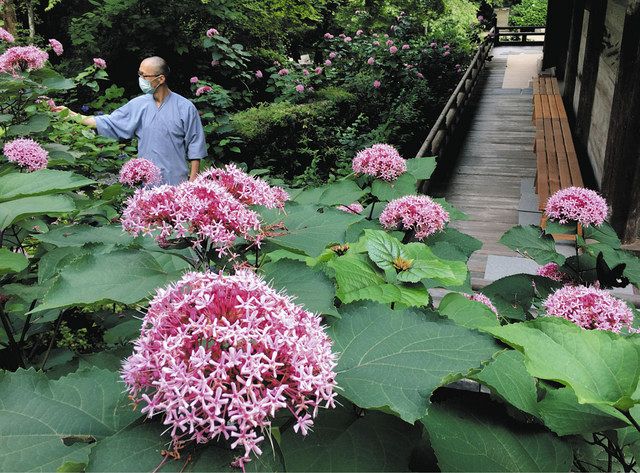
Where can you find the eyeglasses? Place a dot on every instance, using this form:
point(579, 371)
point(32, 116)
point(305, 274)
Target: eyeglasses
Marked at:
point(148, 75)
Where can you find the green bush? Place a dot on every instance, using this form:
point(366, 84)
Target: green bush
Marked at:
point(529, 13)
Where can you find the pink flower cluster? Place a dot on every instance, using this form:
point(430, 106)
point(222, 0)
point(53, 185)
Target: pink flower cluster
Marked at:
point(6, 36)
point(283, 72)
point(381, 161)
point(417, 213)
point(479, 297)
point(219, 356)
point(211, 32)
point(140, 171)
point(377, 84)
point(247, 189)
point(26, 153)
point(205, 89)
point(590, 308)
point(99, 63)
point(355, 208)
point(56, 46)
point(300, 88)
point(22, 58)
point(552, 271)
point(577, 204)
point(201, 210)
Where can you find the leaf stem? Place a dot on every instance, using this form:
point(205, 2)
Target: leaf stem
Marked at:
point(12, 341)
point(53, 339)
point(628, 415)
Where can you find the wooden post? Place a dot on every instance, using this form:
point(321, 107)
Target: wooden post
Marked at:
point(556, 38)
point(571, 66)
point(621, 176)
point(590, 66)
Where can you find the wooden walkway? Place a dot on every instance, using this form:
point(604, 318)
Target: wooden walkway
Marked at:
point(495, 155)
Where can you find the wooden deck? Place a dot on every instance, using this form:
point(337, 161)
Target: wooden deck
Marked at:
point(495, 155)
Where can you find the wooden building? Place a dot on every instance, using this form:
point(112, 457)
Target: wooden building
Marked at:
point(594, 46)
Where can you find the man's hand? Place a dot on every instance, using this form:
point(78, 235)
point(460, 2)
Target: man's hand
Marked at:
point(87, 121)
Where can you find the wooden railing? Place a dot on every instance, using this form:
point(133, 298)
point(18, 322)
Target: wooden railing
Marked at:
point(451, 114)
point(518, 35)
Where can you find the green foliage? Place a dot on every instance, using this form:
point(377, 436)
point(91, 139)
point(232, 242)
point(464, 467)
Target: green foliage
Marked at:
point(528, 13)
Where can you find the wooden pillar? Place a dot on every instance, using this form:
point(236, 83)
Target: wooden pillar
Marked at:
point(573, 51)
point(9, 17)
point(593, 50)
point(556, 38)
point(621, 176)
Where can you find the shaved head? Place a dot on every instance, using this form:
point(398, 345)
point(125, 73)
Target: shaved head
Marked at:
point(155, 65)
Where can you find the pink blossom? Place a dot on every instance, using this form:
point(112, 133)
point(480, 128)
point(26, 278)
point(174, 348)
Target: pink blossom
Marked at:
point(590, 308)
point(377, 84)
point(194, 80)
point(577, 204)
point(389, 42)
point(359, 32)
point(201, 210)
point(371, 61)
point(247, 189)
point(375, 35)
point(479, 297)
point(446, 46)
point(6, 36)
point(332, 55)
point(433, 45)
point(381, 161)
point(299, 88)
point(26, 153)
point(211, 32)
point(480, 18)
point(22, 58)
point(220, 356)
point(393, 49)
point(99, 63)
point(318, 70)
point(342, 35)
point(305, 72)
point(405, 47)
point(552, 271)
point(140, 171)
point(203, 90)
point(446, 53)
point(386, 35)
point(327, 63)
point(328, 36)
point(215, 63)
point(283, 72)
point(376, 43)
point(355, 208)
point(419, 75)
point(259, 74)
point(56, 46)
point(347, 39)
point(418, 213)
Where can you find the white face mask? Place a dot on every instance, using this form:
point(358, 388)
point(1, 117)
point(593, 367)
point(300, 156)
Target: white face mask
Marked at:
point(146, 86)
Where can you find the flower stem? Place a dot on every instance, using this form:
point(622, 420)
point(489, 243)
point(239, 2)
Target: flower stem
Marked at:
point(628, 415)
point(371, 213)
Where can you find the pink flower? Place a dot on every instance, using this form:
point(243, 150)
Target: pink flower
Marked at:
point(393, 49)
point(590, 308)
point(376, 43)
point(446, 53)
point(140, 171)
point(381, 161)
point(552, 271)
point(215, 63)
point(433, 45)
point(305, 72)
point(359, 32)
point(193, 80)
point(327, 63)
point(211, 32)
point(200, 210)
point(99, 63)
point(418, 213)
point(446, 46)
point(342, 35)
point(479, 297)
point(386, 35)
point(56, 46)
point(220, 356)
point(389, 42)
point(332, 55)
point(259, 74)
point(371, 61)
point(283, 72)
point(376, 84)
point(22, 58)
point(6, 36)
point(480, 18)
point(347, 39)
point(375, 35)
point(299, 88)
point(203, 90)
point(419, 75)
point(405, 47)
point(328, 36)
point(318, 70)
point(26, 153)
point(355, 208)
point(577, 204)
point(247, 189)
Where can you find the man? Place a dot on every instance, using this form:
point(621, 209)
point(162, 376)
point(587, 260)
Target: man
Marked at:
point(167, 125)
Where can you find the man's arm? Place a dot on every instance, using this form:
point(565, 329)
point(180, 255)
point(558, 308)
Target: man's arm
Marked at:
point(85, 120)
point(195, 166)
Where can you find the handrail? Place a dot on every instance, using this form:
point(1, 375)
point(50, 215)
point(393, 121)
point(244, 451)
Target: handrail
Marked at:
point(444, 125)
point(522, 32)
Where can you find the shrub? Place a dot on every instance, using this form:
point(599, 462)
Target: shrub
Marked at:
point(529, 13)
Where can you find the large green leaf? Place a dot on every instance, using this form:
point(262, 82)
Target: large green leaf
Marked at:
point(615, 257)
point(19, 209)
point(51, 79)
point(601, 367)
point(45, 423)
point(472, 434)
point(45, 181)
point(124, 276)
point(395, 359)
point(513, 295)
point(311, 229)
point(450, 236)
point(138, 448)
point(387, 191)
point(358, 280)
point(11, 262)
point(421, 168)
point(36, 124)
point(507, 377)
point(342, 192)
point(79, 235)
point(383, 249)
point(341, 440)
point(429, 266)
point(562, 413)
point(467, 313)
point(311, 288)
point(603, 233)
point(530, 243)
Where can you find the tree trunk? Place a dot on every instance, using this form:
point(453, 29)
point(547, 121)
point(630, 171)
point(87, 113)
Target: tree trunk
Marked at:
point(32, 22)
point(9, 17)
